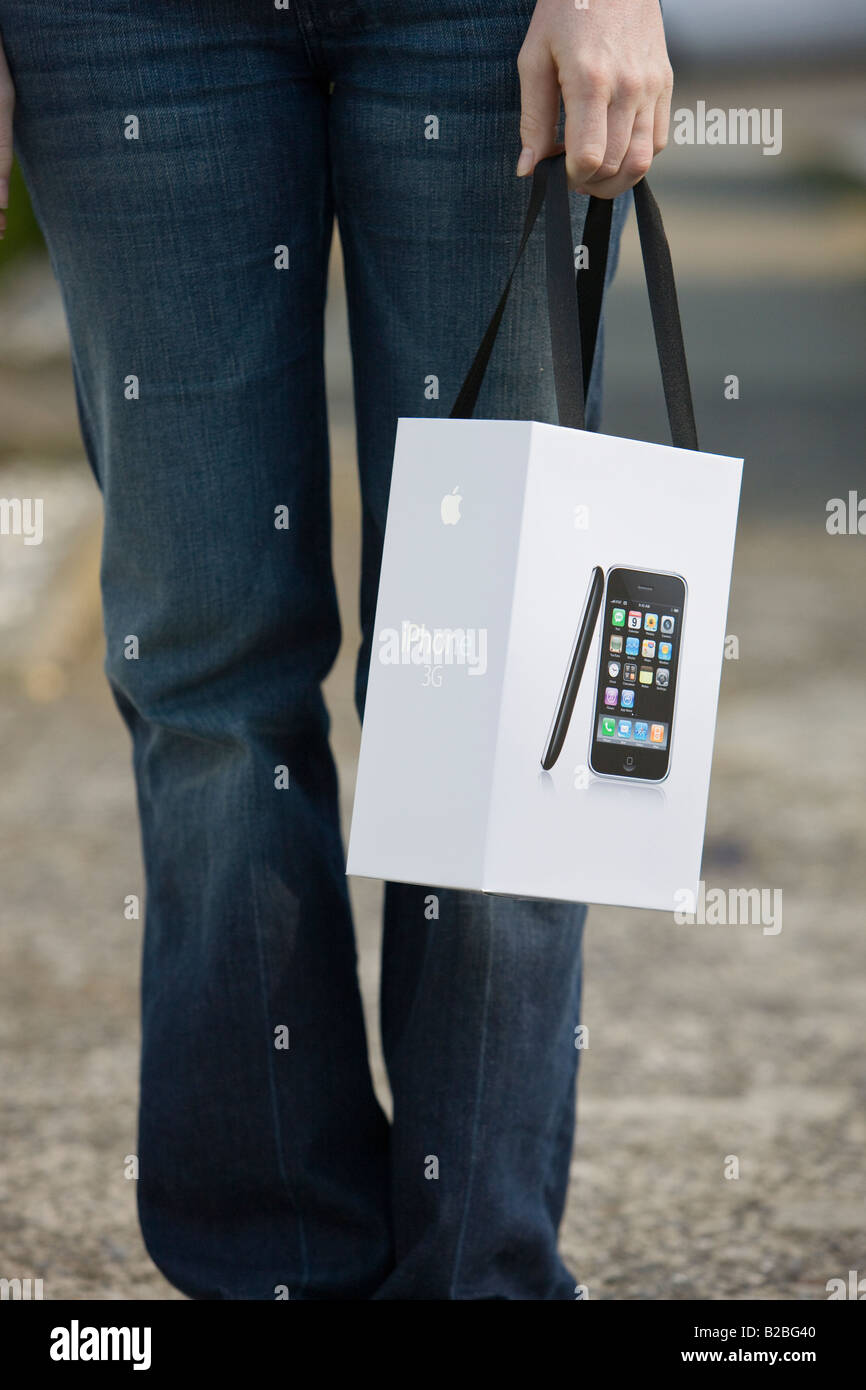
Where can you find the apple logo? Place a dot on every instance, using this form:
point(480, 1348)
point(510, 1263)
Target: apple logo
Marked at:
point(450, 508)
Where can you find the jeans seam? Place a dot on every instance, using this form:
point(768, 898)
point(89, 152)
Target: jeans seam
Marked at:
point(272, 1089)
point(458, 1249)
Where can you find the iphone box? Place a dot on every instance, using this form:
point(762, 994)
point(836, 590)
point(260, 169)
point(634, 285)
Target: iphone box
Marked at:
point(546, 660)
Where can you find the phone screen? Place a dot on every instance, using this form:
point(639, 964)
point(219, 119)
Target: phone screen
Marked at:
point(641, 637)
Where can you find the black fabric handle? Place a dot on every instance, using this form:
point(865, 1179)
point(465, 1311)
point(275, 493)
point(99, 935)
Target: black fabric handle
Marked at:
point(590, 281)
point(665, 309)
point(580, 299)
point(562, 304)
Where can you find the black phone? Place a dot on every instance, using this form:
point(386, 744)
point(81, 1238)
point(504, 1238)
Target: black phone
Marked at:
point(638, 662)
point(574, 670)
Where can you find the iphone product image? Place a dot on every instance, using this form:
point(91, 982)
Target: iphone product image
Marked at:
point(638, 662)
point(574, 670)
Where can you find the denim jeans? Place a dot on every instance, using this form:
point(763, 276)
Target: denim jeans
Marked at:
point(171, 147)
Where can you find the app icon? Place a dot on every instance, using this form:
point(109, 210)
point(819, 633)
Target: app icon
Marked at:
point(665, 649)
point(646, 675)
point(651, 622)
point(663, 676)
point(624, 728)
point(648, 649)
point(616, 642)
point(632, 646)
point(629, 672)
point(635, 618)
point(667, 625)
point(617, 617)
point(608, 728)
point(641, 729)
point(657, 733)
point(613, 669)
point(611, 695)
point(627, 701)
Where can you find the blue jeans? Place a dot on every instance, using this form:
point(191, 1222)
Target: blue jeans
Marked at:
point(170, 148)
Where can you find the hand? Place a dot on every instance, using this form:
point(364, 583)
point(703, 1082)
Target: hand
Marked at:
point(610, 63)
point(7, 102)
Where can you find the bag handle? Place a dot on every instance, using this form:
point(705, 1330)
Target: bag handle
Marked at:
point(573, 353)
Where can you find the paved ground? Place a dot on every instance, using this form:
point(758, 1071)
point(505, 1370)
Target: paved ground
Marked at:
point(706, 1042)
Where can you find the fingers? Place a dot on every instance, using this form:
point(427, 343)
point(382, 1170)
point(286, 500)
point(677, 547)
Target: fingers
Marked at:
point(7, 102)
point(539, 106)
point(614, 125)
point(586, 96)
point(662, 120)
point(628, 157)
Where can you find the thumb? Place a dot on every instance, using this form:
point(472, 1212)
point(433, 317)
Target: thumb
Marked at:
point(539, 107)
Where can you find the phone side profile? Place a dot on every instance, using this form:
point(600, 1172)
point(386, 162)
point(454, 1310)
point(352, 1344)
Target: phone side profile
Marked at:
point(639, 649)
point(574, 669)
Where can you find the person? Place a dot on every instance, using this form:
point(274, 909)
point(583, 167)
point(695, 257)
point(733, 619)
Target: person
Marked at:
point(186, 160)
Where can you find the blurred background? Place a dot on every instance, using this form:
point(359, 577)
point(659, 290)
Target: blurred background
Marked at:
point(705, 1042)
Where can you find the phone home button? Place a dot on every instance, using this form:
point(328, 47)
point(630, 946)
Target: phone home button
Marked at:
point(630, 763)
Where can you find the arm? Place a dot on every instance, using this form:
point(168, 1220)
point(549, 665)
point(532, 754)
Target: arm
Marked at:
point(609, 62)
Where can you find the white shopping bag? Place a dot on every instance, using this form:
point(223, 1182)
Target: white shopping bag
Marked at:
point(550, 628)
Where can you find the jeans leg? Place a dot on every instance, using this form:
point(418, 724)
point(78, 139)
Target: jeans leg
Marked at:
point(479, 1001)
point(172, 149)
